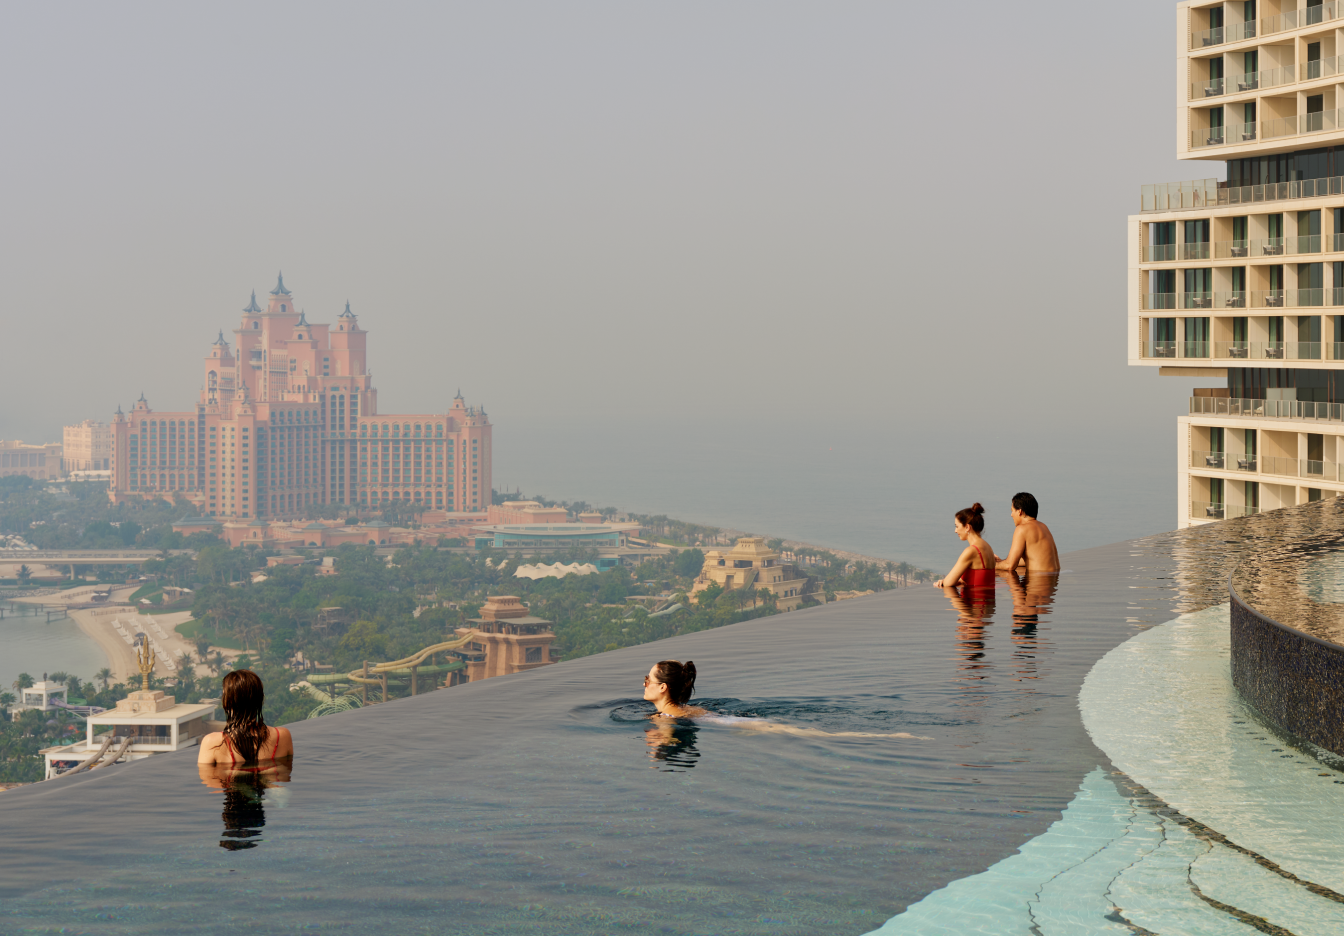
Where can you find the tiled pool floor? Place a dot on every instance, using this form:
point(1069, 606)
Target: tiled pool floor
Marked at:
point(1211, 824)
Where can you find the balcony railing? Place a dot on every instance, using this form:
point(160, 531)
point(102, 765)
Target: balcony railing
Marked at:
point(1158, 301)
point(1225, 136)
point(1324, 68)
point(1267, 409)
point(1159, 253)
point(1205, 193)
point(1195, 251)
point(1206, 37)
point(1235, 299)
point(1232, 349)
point(1267, 298)
point(1159, 349)
point(1211, 88)
point(1267, 246)
point(1223, 461)
point(1196, 300)
point(1194, 349)
point(1290, 126)
point(1231, 250)
point(1204, 510)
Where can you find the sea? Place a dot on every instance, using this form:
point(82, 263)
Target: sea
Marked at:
point(31, 644)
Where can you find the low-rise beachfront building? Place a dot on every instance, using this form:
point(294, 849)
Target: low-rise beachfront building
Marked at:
point(143, 724)
point(551, 536)
point(752, 564)
point(1241, 282)
point(43, 695)
point(518, 512)
point(39, 462)
point(507, 639)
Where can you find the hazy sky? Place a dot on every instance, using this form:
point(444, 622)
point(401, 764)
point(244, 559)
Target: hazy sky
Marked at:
point(599, 218)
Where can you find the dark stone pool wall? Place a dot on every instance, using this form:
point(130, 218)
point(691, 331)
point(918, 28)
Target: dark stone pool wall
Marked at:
point(1294, 680)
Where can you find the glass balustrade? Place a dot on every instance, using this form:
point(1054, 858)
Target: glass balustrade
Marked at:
point(1203, 193)
point(1267, 247)
point(1159, 349)
point(1203, 89)
point(1267, 298)
point(1302, 350)
point(1195, 349)
point(1159, 301)
point(1305, 298)
point(1267, 409)
point(1235, 299)
point(1324, 68)
point(1231, 250)
point(1197, 300)
point(1206, 37)
point(1195, 251)
point(1307, 243)
point(1266, 350)
point(1336, 349)
point(1159, 253)
point(1223, 461)
point(1232, 349)
point(1336, 243)
point(1225, 136)
point(1205, 510)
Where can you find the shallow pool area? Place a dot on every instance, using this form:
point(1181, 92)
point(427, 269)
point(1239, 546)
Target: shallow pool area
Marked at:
point(545, 802)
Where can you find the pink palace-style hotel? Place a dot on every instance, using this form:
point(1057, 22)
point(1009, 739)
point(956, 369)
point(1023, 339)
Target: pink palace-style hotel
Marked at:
point(290, 419)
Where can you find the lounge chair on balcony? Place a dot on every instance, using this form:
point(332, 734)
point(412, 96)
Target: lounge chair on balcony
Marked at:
point(1214, 510)
point(1273, 302)
point(1273, 250)
point(1246, 464)
point(1214, 140)
point(1211, 90)
point(1238, 252)
point(1275, 354)
point(1214, 460)
point(1235, 352)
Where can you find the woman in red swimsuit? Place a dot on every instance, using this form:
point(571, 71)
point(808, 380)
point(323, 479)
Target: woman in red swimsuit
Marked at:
point(246, 742)
point(975, 567)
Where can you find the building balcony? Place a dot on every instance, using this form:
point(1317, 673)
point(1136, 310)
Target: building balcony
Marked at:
point(1204, 510)
point(1231, 250)
point(1156, 302)
point(1223, 461)
point(1158, 349)
point(1159, 253)
point(1196, 300)
point(1299, 125)
point(1232, 133)
point(1195, 251)
point(1210, 193)
point(1234, 299)
point(1267, 409)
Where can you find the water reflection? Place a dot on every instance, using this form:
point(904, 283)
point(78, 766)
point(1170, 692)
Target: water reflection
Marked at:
point(671, 744)
point(246, 792)
point(1032, 597)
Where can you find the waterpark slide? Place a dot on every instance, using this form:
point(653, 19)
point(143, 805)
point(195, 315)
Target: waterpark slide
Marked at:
point(402, 669)
point(93, 762)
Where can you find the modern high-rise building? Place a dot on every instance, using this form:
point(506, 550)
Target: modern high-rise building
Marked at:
point(287, 419)
point(1242, 281)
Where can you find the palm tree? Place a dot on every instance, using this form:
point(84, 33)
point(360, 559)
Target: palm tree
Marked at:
point(59, 676)
point(202, 647)
point(904, 570)
point(104, 676)
point(6, 700)
point(24, 575)
point(185, 664)
point(73, 685)
point(923, 575)
point(23, 682)
point(216, 662)
point(891, 571)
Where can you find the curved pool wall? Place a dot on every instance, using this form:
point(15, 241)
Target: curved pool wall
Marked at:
point(531, 801)
point(1294, 680)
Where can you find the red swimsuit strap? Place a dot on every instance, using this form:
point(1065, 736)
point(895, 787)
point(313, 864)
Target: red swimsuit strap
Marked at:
point(983, 563)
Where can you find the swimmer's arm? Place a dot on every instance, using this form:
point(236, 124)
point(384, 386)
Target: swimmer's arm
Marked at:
point(769, 727)
point(963, 563)
point(1017, 554)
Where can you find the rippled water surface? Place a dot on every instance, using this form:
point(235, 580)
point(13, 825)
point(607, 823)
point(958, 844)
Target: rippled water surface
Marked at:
point(547, 802)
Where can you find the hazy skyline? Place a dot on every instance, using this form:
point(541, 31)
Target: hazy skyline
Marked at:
point(599, 217)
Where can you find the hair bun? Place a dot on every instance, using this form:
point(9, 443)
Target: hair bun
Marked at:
point(976, 508)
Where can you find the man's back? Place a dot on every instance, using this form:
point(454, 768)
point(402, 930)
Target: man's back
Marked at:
point(1041, 553)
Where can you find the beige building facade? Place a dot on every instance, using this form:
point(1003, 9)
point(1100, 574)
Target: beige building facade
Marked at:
point(752, 564)
point(1240, 282)
point(87, 447)
point(506, 639)
point(39, 462)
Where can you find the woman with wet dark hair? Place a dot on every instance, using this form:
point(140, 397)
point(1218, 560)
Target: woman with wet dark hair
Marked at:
point(975, 565)
point(668, 686)
point(246, 739)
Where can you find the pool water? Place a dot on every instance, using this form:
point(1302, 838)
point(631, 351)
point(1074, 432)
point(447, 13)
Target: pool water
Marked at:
point(545, 802)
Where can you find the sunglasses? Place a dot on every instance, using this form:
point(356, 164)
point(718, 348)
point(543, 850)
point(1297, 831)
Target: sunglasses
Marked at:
point(647, 680)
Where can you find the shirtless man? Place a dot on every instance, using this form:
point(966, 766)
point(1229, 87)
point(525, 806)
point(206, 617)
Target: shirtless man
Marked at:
point(1032, 543)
